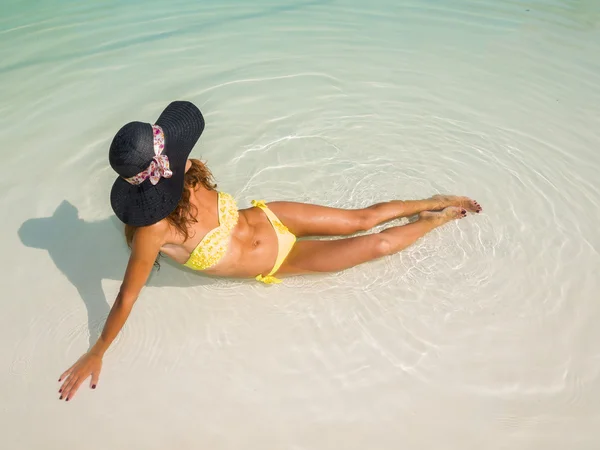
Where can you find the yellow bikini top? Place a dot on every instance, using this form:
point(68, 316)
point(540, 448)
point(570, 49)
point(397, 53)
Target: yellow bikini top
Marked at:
point(214, 245)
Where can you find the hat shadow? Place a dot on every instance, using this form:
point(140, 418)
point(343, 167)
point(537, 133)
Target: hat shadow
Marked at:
point(89, 252)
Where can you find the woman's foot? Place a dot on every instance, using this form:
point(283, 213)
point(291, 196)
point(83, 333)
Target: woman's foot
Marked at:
point(454, 200)
point(446, 215)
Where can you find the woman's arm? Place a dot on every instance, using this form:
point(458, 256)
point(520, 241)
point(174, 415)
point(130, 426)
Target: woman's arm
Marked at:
point(144, 250)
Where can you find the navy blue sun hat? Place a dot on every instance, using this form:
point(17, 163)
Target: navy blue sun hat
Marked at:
point(150, 160)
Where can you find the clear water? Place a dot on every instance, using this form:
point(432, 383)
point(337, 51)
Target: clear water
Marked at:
point(483, 335)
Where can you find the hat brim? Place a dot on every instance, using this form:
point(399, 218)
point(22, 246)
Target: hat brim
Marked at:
point(146, 204)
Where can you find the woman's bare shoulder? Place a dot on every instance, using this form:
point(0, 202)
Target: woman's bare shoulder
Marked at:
point(156, 233)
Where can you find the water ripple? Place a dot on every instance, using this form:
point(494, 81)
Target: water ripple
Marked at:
point(341, 104)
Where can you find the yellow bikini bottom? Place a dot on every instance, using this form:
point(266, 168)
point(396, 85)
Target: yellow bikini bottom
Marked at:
point(285, 241)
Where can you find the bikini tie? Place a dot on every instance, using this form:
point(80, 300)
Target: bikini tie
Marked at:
point(269, 279)
point(159, 166)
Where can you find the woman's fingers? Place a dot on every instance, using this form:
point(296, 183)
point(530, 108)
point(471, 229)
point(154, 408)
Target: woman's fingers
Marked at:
point(65, 373)
point(66, 392)
point(94, 380)
point(74, 387)
point(67, 380)
point(87, 365)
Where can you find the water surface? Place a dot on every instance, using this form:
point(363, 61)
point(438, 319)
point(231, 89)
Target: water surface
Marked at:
point(482, 335)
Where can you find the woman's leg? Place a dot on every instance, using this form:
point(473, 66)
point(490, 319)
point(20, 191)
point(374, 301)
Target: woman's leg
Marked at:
point(334, 255)
point(304, 219)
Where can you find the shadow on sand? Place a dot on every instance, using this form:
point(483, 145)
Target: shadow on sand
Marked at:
point(89, 252)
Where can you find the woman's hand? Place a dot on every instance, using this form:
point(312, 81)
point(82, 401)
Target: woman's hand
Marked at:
point(145, 248)
point(88, 364)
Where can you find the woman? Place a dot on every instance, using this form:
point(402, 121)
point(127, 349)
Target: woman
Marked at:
point(170, 204)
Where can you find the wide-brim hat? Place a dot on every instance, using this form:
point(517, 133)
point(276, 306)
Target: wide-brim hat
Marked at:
point(137, 198)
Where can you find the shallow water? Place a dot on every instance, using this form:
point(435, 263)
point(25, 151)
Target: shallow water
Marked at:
point(482, 335)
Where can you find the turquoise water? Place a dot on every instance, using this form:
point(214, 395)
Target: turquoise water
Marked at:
point(483, 335)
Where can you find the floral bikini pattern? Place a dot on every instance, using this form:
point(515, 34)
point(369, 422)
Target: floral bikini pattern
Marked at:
point(214, 245)
point(159, 166)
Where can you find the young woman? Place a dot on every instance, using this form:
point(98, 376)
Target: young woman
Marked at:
point(170, 204)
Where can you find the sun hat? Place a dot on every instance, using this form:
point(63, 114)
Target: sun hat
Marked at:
point(150, 160)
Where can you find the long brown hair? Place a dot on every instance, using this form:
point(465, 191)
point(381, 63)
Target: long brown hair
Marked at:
point(184, 214)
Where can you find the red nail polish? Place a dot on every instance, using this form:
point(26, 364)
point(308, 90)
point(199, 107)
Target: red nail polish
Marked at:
point(60, 398)
point(59, 391)
point(67, 399)
point(93, 386)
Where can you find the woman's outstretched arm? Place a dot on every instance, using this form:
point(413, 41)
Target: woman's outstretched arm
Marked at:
point(144, 250)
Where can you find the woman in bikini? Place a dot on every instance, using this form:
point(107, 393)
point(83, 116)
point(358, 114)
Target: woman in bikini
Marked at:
point(169, 204)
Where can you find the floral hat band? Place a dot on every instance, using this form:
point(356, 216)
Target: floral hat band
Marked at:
point(159, 166)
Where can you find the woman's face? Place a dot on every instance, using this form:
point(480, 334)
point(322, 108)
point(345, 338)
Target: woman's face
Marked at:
point(188, 164)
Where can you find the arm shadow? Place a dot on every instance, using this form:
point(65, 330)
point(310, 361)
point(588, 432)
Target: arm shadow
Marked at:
point(89, 252)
